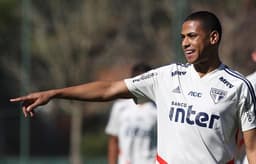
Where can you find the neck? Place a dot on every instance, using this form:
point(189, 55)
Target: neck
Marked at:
point(206, 67)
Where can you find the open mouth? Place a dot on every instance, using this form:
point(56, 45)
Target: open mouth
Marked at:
point(189, 53)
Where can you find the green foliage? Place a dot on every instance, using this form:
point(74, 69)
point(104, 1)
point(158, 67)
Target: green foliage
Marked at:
point(7, 13)
point(94, 144)
point(71, 41)
point(6, 6)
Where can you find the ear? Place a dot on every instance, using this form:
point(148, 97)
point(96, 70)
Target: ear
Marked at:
point(253, 55)
point(214, 37)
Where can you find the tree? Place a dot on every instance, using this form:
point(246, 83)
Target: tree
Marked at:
point(73, 40)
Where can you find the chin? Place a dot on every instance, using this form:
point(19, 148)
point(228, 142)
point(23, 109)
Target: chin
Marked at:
point(190, 61)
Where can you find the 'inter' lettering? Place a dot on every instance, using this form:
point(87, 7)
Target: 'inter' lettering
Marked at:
point(192, 117)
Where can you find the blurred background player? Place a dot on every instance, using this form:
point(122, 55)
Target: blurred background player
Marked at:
point(132, 129)
point(252, 78)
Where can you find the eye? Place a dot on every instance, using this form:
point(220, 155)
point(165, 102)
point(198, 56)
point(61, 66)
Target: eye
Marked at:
point(192, 35)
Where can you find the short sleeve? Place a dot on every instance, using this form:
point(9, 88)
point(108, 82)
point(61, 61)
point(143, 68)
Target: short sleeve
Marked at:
point(142, 86)
point(252, 79)
point(247, 108)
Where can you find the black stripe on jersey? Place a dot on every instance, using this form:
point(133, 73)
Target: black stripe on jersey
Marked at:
point(247, 82)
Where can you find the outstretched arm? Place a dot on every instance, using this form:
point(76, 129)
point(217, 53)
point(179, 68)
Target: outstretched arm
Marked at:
point(94, 91)
point(250, 145)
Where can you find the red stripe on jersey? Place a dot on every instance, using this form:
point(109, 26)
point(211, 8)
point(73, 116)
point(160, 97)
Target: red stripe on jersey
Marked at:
point(160, 160)
point(239, 139)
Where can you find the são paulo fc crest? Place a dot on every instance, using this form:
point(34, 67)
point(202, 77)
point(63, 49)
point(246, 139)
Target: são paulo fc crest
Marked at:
point(217, 95)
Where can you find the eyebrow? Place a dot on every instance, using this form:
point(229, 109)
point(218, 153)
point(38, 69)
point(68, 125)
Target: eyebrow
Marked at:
point(190, 33)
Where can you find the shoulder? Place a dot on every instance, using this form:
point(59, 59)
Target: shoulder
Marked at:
point(235, 78)
point(252, 77)
point(172, 68)
point(175, 66)
point(123, 103)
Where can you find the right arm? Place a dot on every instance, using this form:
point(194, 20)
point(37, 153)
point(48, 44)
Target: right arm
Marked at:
point(94, 91)
point(250, 145)
point(113, 149)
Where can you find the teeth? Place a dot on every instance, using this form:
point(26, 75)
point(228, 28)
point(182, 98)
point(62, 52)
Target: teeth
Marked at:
point(188, 52)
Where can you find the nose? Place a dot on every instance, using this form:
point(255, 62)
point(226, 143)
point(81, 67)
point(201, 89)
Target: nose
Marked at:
point(185, 42)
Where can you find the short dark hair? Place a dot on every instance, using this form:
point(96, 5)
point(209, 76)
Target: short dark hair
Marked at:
point(209, 21)
point(140, 68)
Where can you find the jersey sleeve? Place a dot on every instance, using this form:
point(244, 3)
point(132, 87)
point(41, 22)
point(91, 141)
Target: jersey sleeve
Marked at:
point(113, 124)
point(248, 108)
point(142, 86)
point(252, 79)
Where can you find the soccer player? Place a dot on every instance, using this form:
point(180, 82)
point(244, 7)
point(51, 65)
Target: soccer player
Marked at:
point(132, 129)
point(252, 78)
point(201, 105)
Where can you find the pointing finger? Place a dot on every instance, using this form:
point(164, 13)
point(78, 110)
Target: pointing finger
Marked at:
point(23, 98)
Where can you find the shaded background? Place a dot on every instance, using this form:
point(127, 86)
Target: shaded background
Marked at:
point(57, 43)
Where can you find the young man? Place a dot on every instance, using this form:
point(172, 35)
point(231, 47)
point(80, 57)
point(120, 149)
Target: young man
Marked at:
point(252, 78)
point(132, 129)
point(201, 105)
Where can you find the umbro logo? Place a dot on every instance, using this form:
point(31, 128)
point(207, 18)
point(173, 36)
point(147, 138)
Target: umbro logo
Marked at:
point(226, 82)
point(176, 90)
point(178, 73)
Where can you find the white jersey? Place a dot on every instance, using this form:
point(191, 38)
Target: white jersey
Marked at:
point(242, 156)
point(135, 127)
point(198, 118)
point(252, 79)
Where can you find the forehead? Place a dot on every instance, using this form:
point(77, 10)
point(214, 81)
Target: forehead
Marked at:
point(192, 26)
